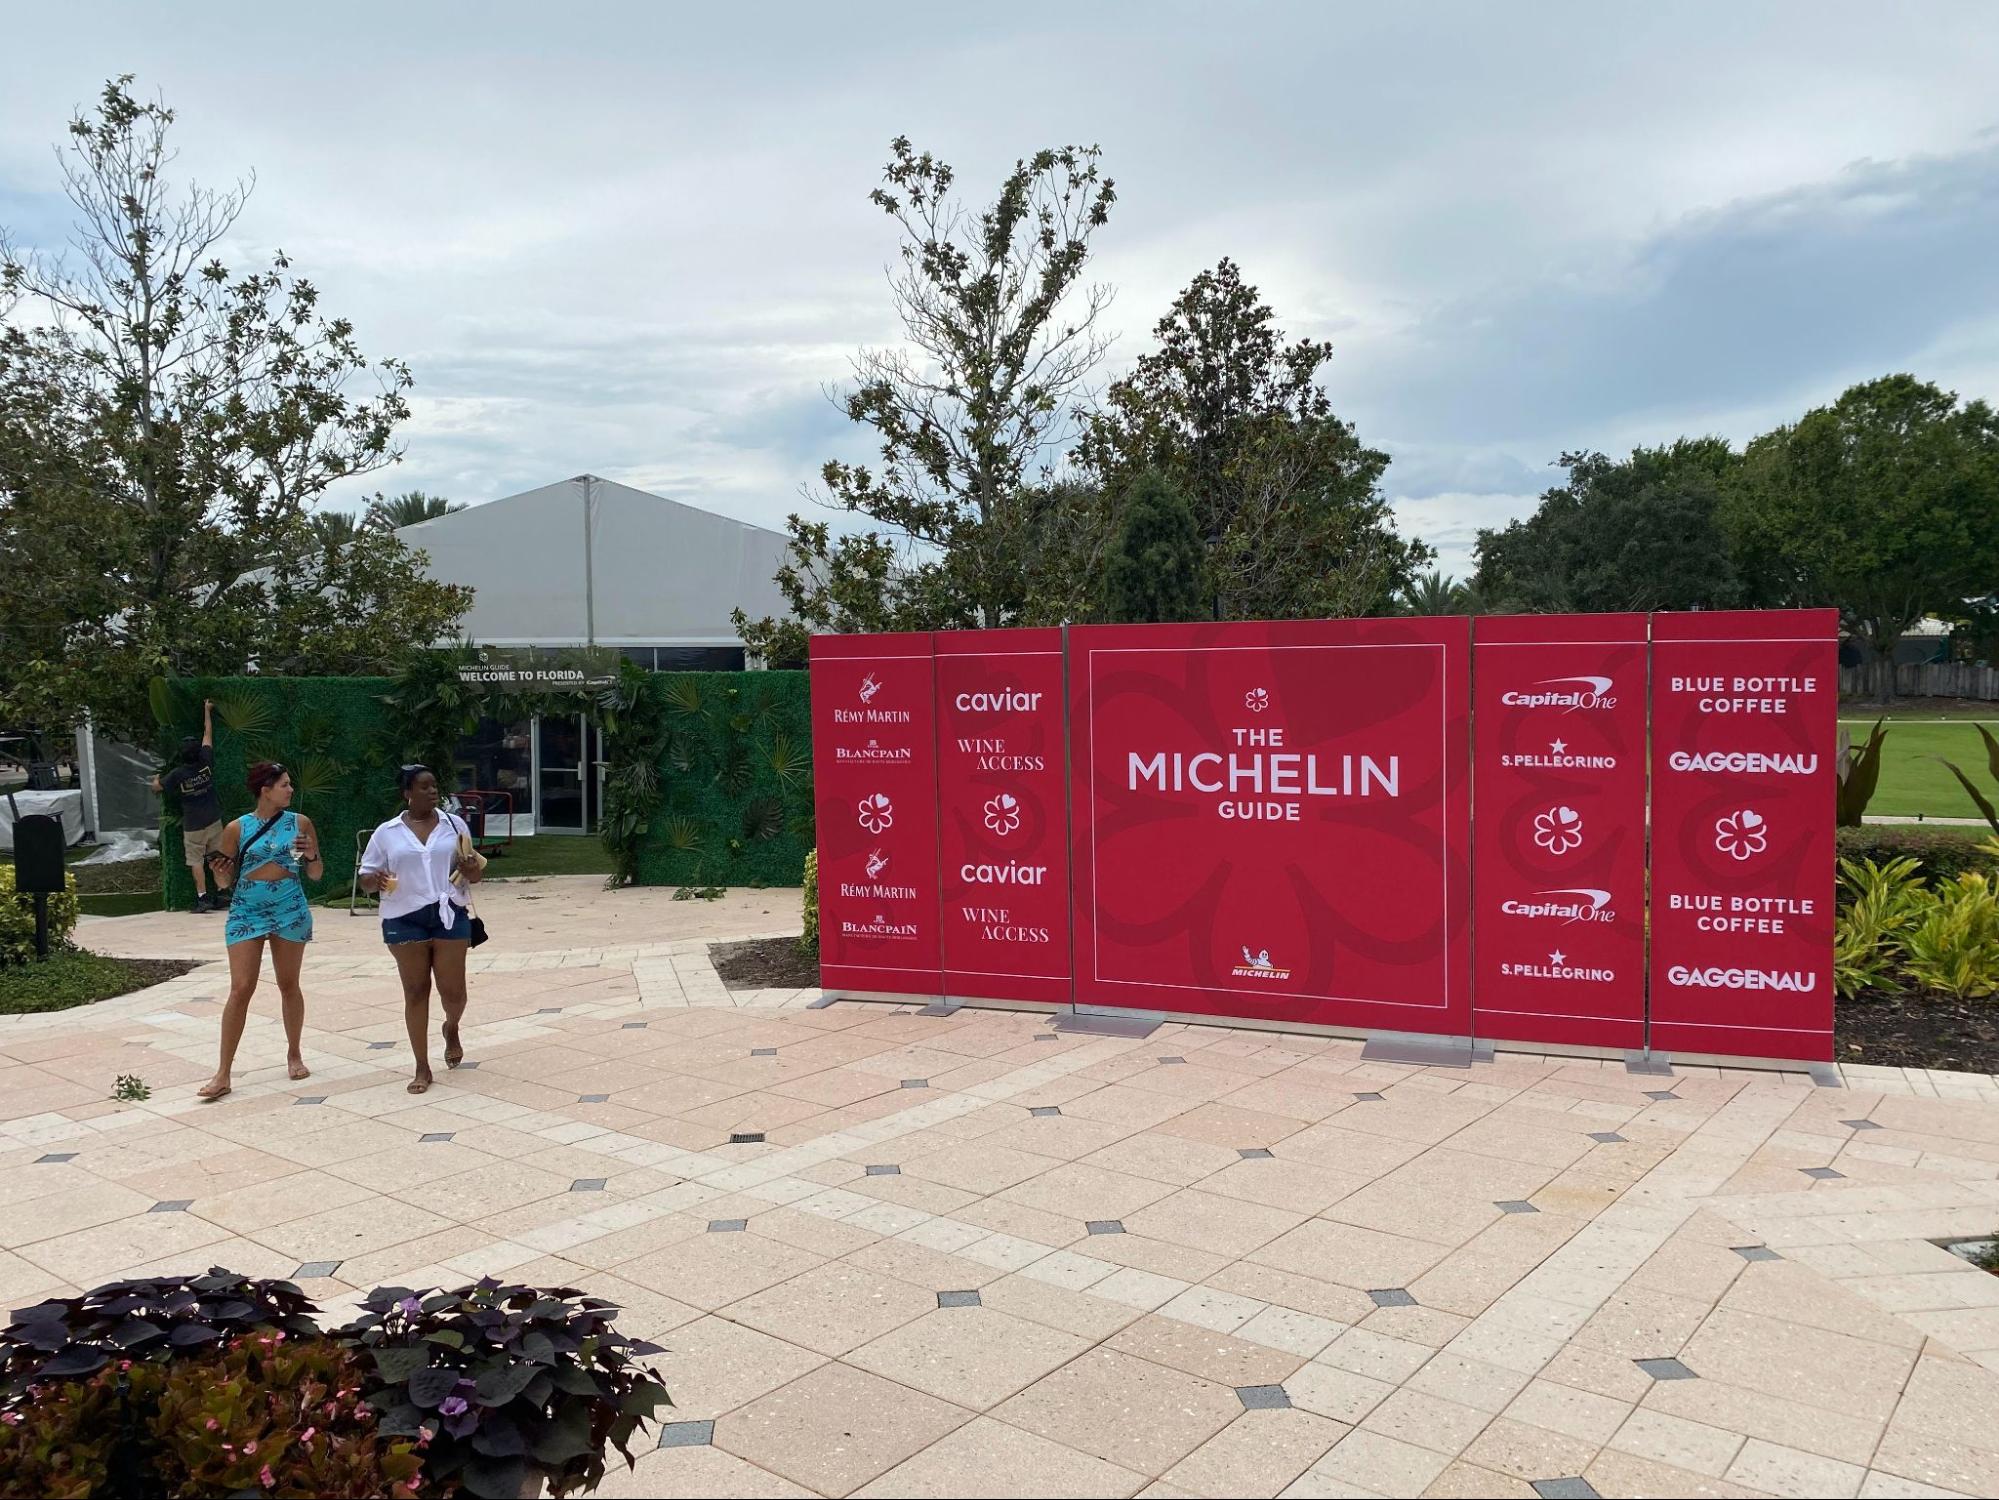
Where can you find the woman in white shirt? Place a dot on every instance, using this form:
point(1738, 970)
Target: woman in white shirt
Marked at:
point(413, 862)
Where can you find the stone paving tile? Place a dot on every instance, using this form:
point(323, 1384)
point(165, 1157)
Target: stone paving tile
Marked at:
point(1234, 1271)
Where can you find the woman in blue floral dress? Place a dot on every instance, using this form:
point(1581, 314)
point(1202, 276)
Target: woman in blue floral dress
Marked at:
point(272, 852)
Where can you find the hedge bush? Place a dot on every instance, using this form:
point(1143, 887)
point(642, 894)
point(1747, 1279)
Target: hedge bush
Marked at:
point(737, 777)
point(17, 917)
point(327, 731)
point(1941, 854)
point(809, 941)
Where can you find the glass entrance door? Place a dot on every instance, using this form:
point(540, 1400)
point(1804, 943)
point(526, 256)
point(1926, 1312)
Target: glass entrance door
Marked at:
point(560, 769)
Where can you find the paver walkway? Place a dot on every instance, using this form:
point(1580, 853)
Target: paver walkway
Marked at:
point(967, 1255)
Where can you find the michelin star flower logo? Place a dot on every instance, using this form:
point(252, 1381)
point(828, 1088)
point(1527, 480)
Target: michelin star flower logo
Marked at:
point(1256, 700)
point(1558, 830)
point(877, 813)
point(1003, 813)
point(1741, 835)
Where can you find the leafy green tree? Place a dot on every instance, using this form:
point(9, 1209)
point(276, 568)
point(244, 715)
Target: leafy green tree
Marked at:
point(1884, 504)
point(999, 336)
point(1157, 570)
point(164, 429)
point(410, 509)
point(334, 528)
point(1284, 495)
point(1634, 534)
point(1434, 593)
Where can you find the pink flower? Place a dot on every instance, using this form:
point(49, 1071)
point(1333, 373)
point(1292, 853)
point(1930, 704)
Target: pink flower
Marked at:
point(213, 1424)
point(267, 1479)
point(251, 1446)
point(306, 1436)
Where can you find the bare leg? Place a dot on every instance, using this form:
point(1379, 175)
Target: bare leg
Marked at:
point(244, 961)
point(447, 963)
point(286, 959)
point(413, 964)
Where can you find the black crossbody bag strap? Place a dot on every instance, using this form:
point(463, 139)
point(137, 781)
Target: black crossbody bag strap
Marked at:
point(243, 849)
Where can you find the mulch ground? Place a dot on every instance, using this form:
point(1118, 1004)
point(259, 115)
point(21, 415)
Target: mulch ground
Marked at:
point(766, 964)
point(1928, 1031)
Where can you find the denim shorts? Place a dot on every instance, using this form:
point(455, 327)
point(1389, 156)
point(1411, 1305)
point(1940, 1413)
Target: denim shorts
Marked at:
point(422, 926)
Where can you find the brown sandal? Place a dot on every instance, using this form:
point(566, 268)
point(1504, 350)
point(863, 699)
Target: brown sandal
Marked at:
point(208, 1093)
point(454, 1050)
point(297, 1070)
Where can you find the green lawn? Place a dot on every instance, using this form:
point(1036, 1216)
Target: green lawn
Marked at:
point(1912, 782)
point(524, 859)
point(76, 978)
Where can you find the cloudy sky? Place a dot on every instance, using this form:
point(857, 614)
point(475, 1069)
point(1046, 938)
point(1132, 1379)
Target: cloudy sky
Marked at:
point(635, 239)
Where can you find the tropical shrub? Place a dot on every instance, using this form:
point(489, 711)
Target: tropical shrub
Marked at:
point(1859, 773)
point(505, 1381)
point(1883, 900)
point(17, 917)
point(1894, 931)
point(1985, 807)
point(1954, 946)
point(1943, 854)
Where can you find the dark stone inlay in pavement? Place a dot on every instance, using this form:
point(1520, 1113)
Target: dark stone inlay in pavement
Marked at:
point(435, 1135)
point(1392, 1296)
point(1165, 1060)
point(1823, 1174)
point(593, 1098)
point(763, 1052)
point(312, 1270)
point(1660, 1094)
point(746, 1138)
point(1044, 1111)
point(1757, 1252)
point(884, 1171)
point(1665, 1369)
point(587, 1185)
point(380, 1046)
point(1253, 1153)
point(171, 1206)
point(687, 1435)
point(1565, 1489)
point(1860, 1125)
point(1046, 1036)
point(1370, 1098)
point(466, 1067)
point(959, 1299)
point(56, 1156)
point(916, 1083)
point(1263, 1397)
point(1105, 1226)
point(1515, 1206)
point(1606, 1137)
point(635, 1026)
point(549, 1010)
point(727, 1226)
point(308, 1099)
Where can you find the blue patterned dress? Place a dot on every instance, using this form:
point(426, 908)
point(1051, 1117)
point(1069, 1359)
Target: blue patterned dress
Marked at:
point(269, 908)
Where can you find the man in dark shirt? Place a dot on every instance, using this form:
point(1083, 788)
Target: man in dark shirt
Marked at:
point(200, 810)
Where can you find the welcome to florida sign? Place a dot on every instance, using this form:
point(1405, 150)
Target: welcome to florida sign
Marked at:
point(1275, 821)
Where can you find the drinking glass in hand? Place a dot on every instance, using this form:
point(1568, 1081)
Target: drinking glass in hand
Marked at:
point(388, 885)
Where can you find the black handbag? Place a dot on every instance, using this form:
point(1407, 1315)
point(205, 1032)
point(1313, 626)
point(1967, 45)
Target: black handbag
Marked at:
point(478, 922)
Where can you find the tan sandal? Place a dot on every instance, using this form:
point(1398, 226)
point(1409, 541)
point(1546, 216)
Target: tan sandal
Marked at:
point(454, 1049)
point(419, 1085)
point(298, 1071)
point(208, 1093)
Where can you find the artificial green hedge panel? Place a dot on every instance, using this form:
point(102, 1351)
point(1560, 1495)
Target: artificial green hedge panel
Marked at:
point(737, 781)
point(328, 731)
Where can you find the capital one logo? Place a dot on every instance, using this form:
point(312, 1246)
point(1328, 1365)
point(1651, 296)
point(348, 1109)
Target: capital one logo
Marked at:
point(1569, 904)
point(1741, 835)
point(1003, 814)
point(1558, 830)
point(1565, 693)
point(877, 813)
point(869, 687)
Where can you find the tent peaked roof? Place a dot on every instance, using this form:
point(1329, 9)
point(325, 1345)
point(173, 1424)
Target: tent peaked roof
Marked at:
point(648, 570)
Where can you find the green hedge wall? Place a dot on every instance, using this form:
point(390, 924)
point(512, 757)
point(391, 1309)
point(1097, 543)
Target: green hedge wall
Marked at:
point(328, 731)
point(736, 779)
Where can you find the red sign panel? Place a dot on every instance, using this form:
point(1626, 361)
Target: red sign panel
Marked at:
point(875, 788)
point(1559, 843)
point(1744, 707)
point(1003, 819)
point(1271, 820)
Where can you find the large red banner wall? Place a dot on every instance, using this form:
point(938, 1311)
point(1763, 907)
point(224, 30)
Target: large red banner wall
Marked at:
point(1558, 763)
point(1744, 712)
point(1275, 822)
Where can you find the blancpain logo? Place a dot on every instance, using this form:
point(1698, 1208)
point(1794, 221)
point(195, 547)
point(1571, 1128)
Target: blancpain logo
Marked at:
point(1587, 692)
point(1258, 966)
point(1794, 981)
point(1571, 904)
point(1752, 762)
point(1558, 758)
point(880, 927)
point(1011, 701)
point(1559, 967)
point(874, 753)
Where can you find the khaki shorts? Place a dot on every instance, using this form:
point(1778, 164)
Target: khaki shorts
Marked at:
point(198, 843)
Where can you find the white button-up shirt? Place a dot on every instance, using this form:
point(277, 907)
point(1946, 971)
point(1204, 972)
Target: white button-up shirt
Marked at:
point(422, 870)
